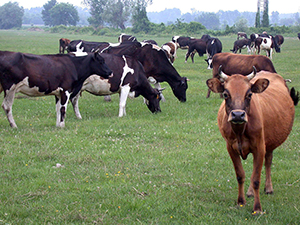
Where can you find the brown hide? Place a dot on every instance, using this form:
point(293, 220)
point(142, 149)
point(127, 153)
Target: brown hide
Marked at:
point(240, 64)
point(270, 116)
point(63, 43)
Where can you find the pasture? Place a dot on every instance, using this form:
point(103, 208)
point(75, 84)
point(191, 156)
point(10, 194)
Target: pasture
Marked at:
point(144, 168)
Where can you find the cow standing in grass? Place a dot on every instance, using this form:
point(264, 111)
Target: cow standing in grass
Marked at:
point(255, 117)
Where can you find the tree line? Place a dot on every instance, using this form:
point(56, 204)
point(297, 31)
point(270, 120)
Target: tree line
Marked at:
point(121, 14)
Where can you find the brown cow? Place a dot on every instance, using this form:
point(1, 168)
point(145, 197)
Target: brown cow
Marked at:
point(239, 64)
point(63, 43)
point(256, 117)
point(170, 49)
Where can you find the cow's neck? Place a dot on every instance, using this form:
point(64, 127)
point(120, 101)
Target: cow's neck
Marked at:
point(239, 130)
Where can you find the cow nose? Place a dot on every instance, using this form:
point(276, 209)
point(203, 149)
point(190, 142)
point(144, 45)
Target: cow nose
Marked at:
point(238, 117)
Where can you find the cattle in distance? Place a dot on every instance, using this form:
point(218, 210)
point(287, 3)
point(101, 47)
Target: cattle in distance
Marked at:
point(239, 64)
point(129, 80)
point(85, 46)
point(255, 117)
point(61, 75)
point(63, 44)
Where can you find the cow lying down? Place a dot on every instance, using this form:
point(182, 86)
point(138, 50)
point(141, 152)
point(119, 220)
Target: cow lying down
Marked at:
point(37, 75)
point(129, 80)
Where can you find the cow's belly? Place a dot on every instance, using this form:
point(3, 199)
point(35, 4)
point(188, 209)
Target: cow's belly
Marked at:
point(24, 88)
point(97, 86)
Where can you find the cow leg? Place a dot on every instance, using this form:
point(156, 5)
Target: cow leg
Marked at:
point(61, 108)
point(123, 98)
point(258, 159)
point(7, 106)
point(187, 55)
point(240, 174)
point(75, 105)
point(268, 163)
point(192, 56)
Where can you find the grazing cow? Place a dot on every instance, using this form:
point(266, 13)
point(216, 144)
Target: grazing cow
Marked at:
point(241, 44)
point(129, 79)
point(241, 35)
point(84, 46)
point(256, 117)
point(38, 75)
point(156, 65)
point(213, 46)
point(267, 44)
point(195, 45)
point(239, 64)
point(279, 39)
point(126, 38)
point(170, 48)
point(63, 44)
point(182, 42)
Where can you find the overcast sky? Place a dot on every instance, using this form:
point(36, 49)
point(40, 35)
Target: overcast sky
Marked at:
point(287, 6)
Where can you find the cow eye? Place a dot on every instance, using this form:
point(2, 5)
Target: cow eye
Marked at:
point(249, 95)
point(225, 95)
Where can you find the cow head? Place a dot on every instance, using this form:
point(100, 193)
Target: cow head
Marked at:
point(180, 90)
point(237, 91)
point(99, 67)
point(153, 101)
point(209, 63)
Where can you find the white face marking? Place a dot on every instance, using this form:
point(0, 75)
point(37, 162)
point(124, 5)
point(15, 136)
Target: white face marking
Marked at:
point(78, 54)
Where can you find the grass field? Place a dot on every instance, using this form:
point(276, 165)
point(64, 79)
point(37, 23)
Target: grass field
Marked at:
point(166, 168)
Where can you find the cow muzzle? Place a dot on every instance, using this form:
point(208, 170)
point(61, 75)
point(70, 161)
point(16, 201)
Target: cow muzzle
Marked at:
point(238, 117)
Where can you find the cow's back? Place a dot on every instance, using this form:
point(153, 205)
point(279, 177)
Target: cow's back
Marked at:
point(277, 109)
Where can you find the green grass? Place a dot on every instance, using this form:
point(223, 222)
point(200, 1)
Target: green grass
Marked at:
point(166, 168)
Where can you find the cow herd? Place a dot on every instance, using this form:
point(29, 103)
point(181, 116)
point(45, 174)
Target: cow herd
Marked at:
point(250, 119)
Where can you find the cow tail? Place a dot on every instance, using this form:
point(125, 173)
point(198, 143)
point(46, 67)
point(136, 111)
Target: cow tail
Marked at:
point(294, 95)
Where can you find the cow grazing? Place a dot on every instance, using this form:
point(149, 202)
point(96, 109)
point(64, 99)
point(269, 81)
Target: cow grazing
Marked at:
point(182, 42)
point(213, 46)
point(170, 48)
point(126, 38)
point(279, 39)
point(241, 35)
point(266, 42)
point(129, 79)
point(239, 64)
point(195, 45)
point(241, 44)
point(85, 46)
point(156, 65)
point(256, 117)
point(63, 44)
point(38, 75)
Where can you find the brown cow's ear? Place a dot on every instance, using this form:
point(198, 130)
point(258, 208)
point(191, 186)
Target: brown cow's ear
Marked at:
point(215, 85)
point(260, 85)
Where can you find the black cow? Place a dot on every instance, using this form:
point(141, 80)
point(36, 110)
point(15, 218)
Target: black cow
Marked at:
point(213, 46)
point(38, 75)
point(195, 45)
point(182, 42)
point(279, 39)
point(299, 36)
point(241, 44)
point(84, 46)
point(156, 65)
point(129, 79)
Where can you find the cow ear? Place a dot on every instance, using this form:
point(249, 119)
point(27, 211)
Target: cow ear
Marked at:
point(215, 85)
point(260, 85)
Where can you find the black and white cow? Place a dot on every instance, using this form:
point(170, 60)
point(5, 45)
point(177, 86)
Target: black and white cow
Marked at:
point(156, 64)
point(241, 44)
point(170, 48)
point(182, 42)
point(37, 75)
point(126, 38)
point(129, 80)
point(213, 46)
point(84, 46)
point(267, 44)
point(279, 39)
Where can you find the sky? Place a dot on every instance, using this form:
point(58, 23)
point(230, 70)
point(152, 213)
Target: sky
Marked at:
point(288, 6)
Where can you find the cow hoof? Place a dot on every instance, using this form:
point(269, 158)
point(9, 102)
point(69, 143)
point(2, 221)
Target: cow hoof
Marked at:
point(257, 213)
